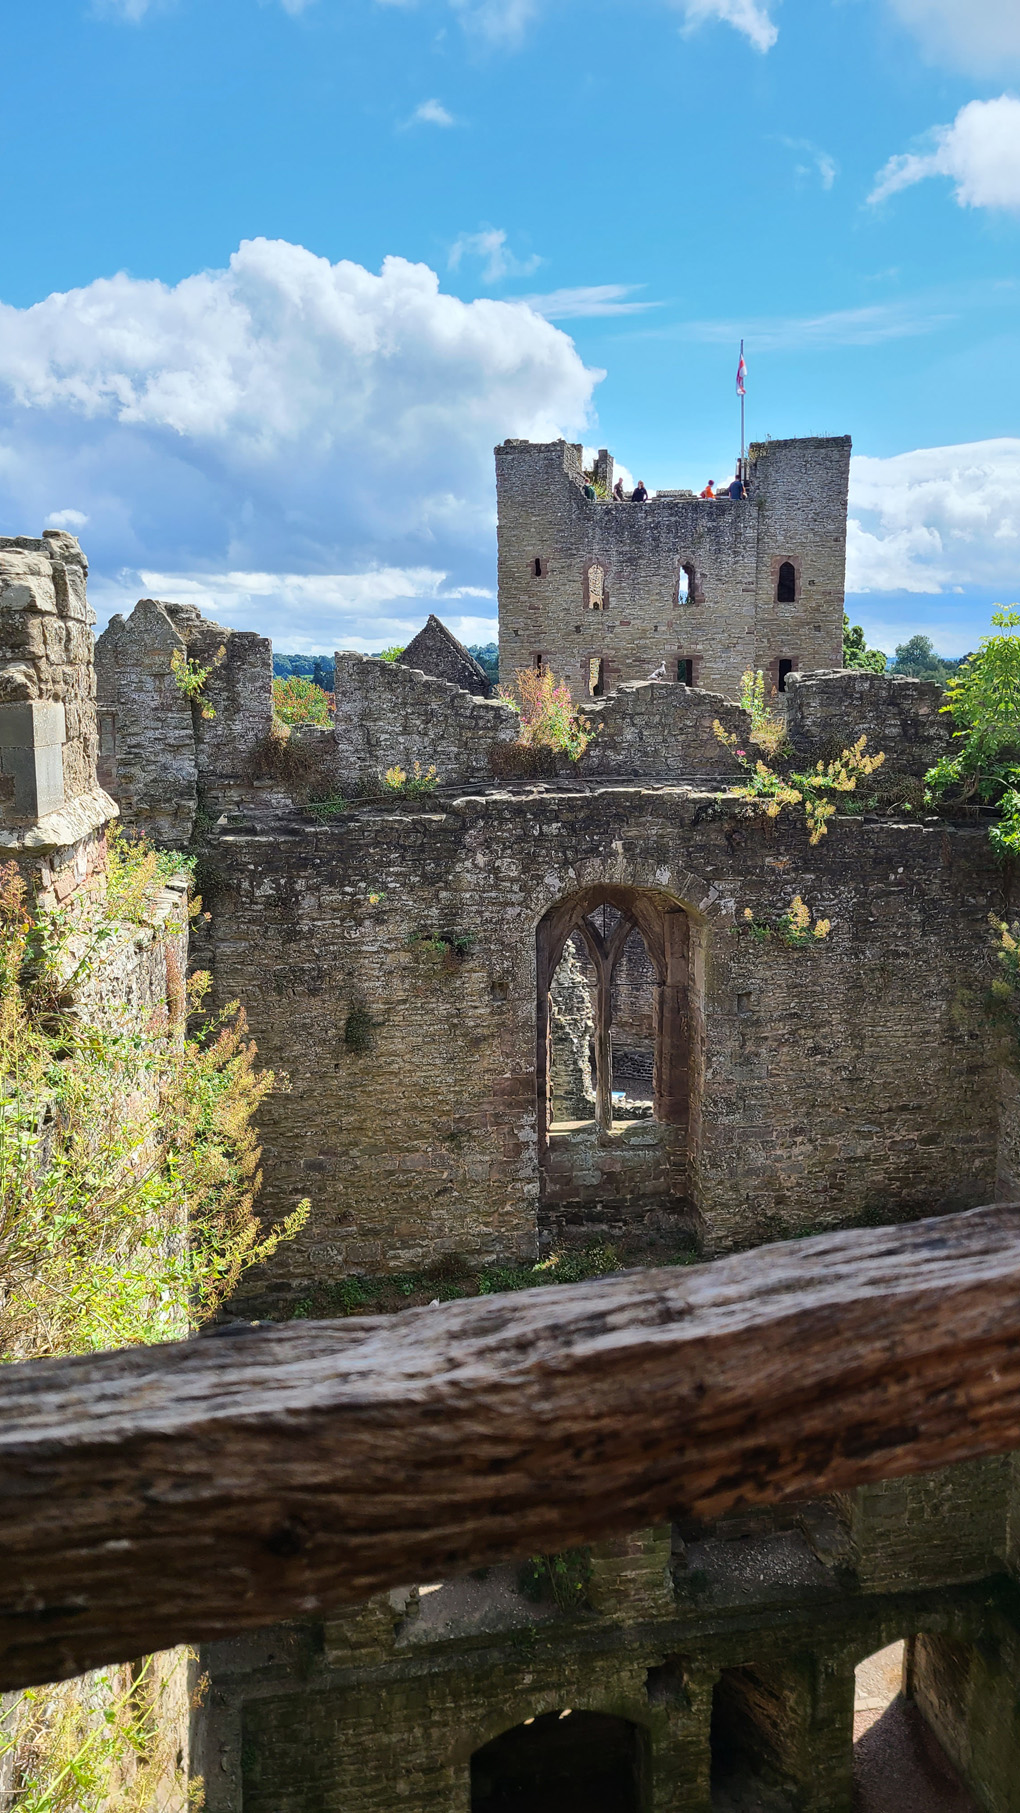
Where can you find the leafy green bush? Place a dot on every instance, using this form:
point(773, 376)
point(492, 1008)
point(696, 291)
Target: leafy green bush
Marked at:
point(410, 785)
point(562, 1578)
point(549, 718)
point(299, 701)
point(128, 1160)
point(983, 764)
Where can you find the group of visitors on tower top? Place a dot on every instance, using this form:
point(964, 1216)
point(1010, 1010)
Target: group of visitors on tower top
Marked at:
point(736, 489)
point(638, 496)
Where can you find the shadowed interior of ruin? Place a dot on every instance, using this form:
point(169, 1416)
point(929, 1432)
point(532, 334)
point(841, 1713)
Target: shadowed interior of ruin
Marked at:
point(561, 1762)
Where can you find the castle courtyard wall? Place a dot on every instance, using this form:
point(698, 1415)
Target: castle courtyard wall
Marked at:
point(388, 965)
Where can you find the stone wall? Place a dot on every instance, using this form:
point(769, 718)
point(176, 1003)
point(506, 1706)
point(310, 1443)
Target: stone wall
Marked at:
point(654, 729)
point(390, 1701)
point(678, 579)
point(165, 754)
point(827, 712)
point(388, 714)
point(53, 813)
point(388, 964)
point(147, 738)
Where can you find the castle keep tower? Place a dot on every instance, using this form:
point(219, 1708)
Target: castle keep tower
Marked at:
point(602, 591)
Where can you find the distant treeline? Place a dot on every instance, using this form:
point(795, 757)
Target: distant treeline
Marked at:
point(319, 668)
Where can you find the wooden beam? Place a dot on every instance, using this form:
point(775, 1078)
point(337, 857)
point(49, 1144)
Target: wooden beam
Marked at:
point(187, 1492)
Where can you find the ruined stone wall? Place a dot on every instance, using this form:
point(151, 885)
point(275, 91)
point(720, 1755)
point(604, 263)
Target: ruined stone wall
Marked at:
point(388, 714)
point(53, 813)
point(388, 965)
point(165, 753)
point(391, 1700)
point(657, 729)
point(827, 712)
point(724, 616)
point(147, 738)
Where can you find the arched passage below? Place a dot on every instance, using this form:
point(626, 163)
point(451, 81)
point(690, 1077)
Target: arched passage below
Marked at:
point(577, 1762)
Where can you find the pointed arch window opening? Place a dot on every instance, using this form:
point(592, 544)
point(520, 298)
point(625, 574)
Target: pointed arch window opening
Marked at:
point(605, 925)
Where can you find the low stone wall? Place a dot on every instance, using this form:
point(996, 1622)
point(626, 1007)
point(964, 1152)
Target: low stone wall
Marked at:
point(389, 715)
point(828, 711)
point(665, 731)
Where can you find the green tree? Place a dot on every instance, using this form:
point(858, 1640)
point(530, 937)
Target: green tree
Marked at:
point(855, 652)
point(984, 760)
point(916, 659)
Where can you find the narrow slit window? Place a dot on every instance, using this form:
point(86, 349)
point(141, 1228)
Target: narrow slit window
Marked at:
point(537, 662)
point(539, 566)
point(686, 589)
point(596, 586)
point(786, 589)
point(785, 668)
point(685, 671)
point(596, 677)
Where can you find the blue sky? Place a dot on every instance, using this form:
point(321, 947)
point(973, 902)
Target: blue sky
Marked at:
point(240, 352)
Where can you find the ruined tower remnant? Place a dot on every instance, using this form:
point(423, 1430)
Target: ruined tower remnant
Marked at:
point(53, 813)
point(603, 591)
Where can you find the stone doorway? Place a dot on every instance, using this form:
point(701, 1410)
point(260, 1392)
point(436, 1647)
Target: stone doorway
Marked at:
point(562, 1762)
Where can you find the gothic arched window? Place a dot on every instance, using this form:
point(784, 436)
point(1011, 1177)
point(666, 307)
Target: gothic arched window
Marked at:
point(595, 586)
point(786, 589)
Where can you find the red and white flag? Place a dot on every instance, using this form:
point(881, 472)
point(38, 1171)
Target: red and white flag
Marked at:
point(741, 375)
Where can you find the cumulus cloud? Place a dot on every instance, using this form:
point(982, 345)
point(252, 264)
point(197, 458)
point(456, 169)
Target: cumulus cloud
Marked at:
point(746, 16)
point(489, 246)
point(66, 519)
point(431, 113)
point(936, 520)
point(286, 416)
point(980, 152)
point(311, 613)
point(976, 38)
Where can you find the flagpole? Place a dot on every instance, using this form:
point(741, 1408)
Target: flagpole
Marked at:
point(742, 402)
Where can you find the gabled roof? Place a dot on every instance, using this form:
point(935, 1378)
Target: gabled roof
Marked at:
point(436, 651)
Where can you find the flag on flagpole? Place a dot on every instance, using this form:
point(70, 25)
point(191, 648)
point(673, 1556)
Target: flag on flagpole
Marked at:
point(741, 374)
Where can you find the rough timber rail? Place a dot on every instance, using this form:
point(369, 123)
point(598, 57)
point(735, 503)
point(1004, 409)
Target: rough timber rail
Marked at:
point(187, 1492)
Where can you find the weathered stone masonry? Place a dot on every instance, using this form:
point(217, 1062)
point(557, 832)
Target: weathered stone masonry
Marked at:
point(677, 579)
point(845, 1079)
point(394, 962)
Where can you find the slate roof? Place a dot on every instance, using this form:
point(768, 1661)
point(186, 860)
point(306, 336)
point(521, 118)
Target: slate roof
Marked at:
point(436, 651)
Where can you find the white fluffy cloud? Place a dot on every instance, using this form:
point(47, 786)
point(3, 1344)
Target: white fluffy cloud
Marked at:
point(746, 16)
point(980, 152)
point(431, 113)
point(940, 519)
point(979, 38)
point(286, 416)
point(489, 247)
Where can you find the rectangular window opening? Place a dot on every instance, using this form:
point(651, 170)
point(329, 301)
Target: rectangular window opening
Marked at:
point(685, 672)
point(596, 677)
point(785, 667)
point(538, 663)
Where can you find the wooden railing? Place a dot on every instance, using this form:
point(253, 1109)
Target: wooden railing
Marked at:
point(190, 1491)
